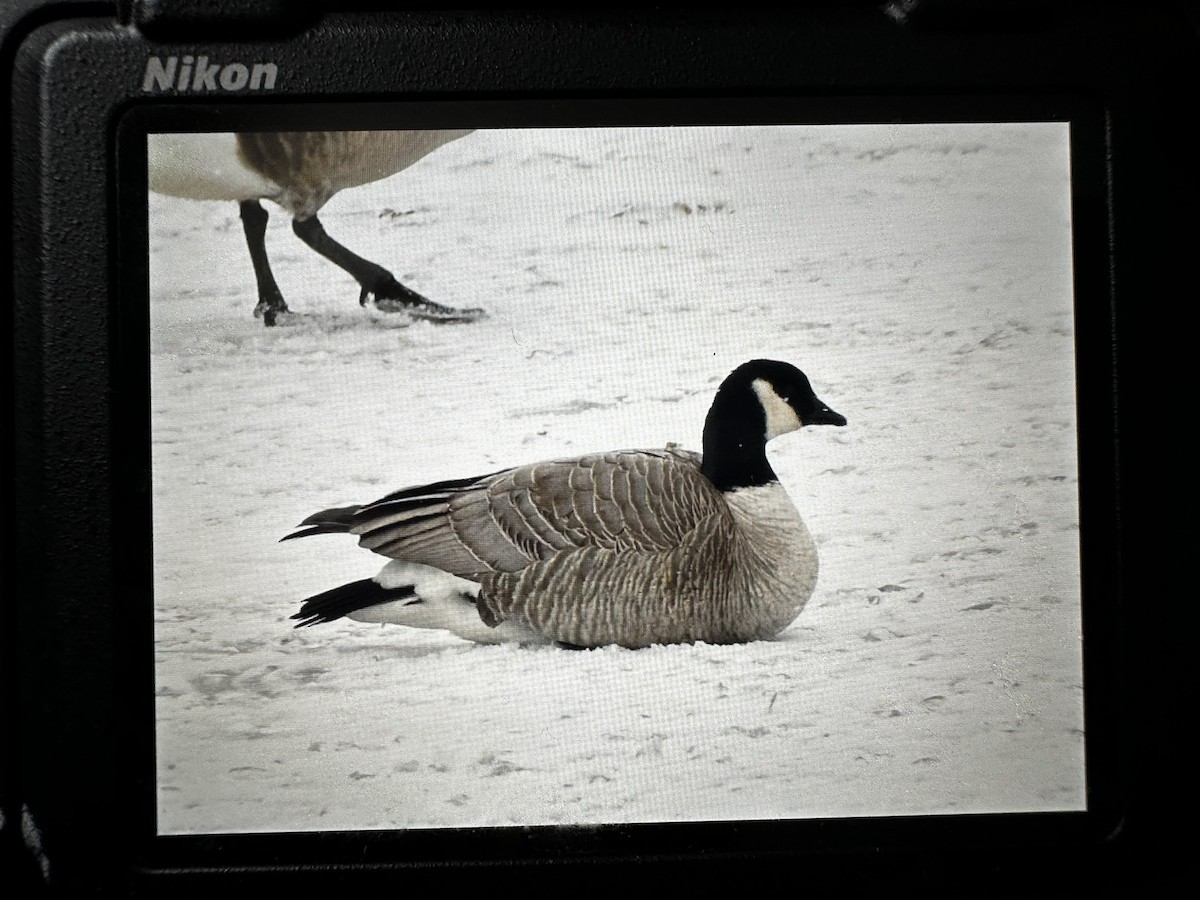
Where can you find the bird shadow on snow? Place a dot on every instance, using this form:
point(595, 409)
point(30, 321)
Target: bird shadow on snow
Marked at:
point(365, 321)
point(401, 643)
point(294, 332)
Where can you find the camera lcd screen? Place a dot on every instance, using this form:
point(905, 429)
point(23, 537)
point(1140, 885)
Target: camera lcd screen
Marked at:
point(578, 290)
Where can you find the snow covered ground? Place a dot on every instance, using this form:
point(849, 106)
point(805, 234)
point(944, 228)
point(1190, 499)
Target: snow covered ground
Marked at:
point(921, 277)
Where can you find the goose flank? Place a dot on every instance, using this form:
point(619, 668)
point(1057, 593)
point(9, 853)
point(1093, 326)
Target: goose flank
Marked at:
point(630, 547)
point(300, 171)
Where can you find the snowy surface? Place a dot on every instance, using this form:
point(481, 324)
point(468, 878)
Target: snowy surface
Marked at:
point(920, 275)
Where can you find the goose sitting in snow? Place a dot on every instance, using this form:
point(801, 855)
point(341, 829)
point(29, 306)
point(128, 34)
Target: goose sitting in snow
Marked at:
point(633, 547)
point(300, 171)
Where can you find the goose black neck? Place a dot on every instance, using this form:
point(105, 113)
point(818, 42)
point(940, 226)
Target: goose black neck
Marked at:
point(735, 441)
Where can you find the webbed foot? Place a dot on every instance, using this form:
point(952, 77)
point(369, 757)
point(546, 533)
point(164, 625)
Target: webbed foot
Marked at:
point(392, 296)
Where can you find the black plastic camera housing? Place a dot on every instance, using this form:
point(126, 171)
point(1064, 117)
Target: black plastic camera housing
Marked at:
point(89, 80)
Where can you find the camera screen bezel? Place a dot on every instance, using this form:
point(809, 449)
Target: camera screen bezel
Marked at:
point(1099, 529)
point(78, 645)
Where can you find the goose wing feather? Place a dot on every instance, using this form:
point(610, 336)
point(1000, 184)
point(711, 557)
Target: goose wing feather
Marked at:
point(634, 500)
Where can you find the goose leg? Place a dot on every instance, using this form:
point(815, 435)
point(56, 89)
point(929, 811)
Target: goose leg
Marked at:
point(254, 223)
point(376, 281)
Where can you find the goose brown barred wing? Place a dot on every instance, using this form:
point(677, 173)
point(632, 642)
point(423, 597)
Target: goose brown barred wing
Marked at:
point(622, 501)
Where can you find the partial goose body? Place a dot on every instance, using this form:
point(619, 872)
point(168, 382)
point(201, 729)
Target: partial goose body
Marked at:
point(633, 547)
point(300, 171)
point(205, 167)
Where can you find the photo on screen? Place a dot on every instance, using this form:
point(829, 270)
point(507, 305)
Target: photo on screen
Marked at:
point(561, 292)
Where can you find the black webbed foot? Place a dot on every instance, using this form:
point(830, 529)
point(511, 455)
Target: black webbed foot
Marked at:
point(270, 312)
point(391, 296)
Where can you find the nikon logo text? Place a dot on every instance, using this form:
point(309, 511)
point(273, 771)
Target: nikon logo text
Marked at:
point(192, 74)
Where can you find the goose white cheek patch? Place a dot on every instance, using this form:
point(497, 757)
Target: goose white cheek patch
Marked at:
point(781, 418)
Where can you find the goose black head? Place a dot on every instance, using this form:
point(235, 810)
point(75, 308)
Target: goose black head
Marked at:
point(760, 400)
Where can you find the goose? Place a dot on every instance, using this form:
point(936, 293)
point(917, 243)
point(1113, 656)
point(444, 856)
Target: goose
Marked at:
point(300, 171)
point(629, 548)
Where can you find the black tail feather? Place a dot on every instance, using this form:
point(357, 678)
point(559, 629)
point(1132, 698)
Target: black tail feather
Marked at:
point(337, 515)
point(315, 529)
point(348, 598)
point(438, 487)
